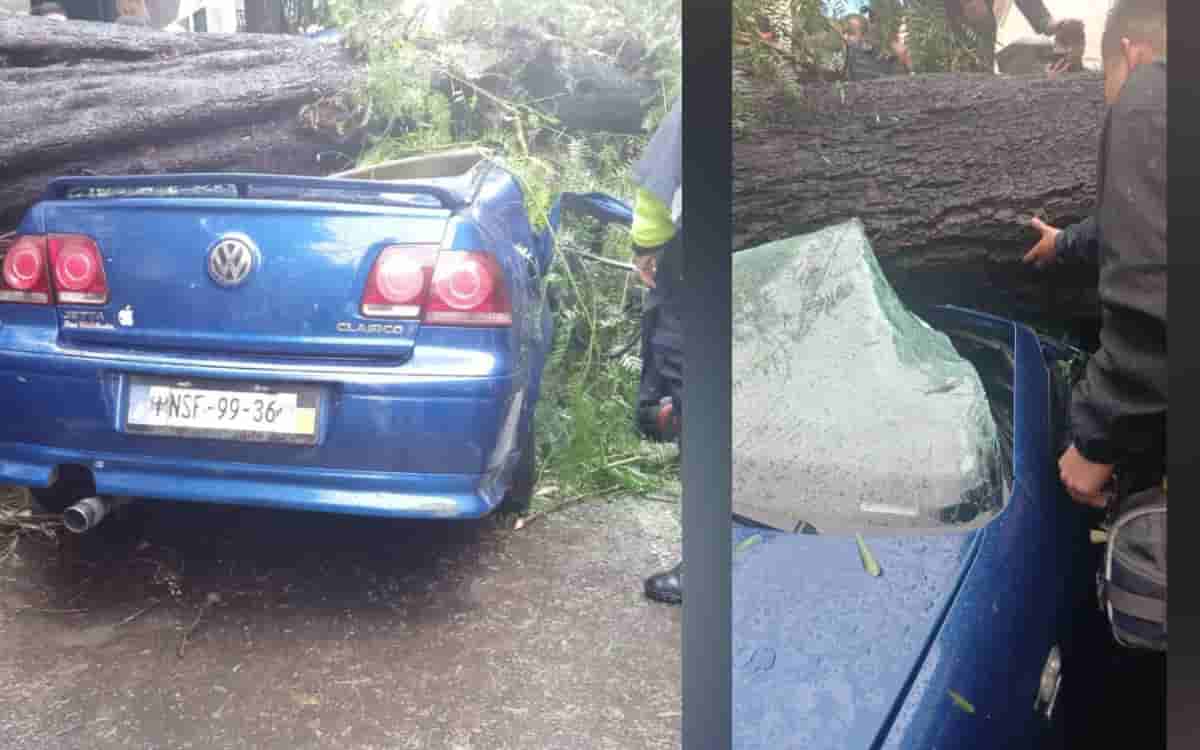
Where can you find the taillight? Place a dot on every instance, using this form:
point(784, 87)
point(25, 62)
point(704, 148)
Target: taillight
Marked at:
point(468, 290)
point(78, 270)
point(25, 277)
point(451, 287)
point(398, 282)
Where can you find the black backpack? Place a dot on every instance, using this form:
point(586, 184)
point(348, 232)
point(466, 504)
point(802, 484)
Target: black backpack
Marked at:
point(1132, 580)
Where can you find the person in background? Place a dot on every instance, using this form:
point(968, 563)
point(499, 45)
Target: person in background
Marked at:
point(980, 17)
point(657, 249)
point(863, 60)
point(1119, 409)
point(765, 32)
point(854, 28)
point(899, 48)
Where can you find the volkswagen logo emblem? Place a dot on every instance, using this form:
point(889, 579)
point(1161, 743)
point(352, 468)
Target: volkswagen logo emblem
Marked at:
point(230, 261)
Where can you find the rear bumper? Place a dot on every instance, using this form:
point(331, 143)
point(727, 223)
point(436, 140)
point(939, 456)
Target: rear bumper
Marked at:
point(391, 442)
point(289, 488)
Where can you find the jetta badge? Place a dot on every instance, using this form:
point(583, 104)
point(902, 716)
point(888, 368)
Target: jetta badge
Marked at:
point(230, 261)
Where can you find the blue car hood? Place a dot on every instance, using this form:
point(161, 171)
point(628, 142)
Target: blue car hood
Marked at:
point(824, 652)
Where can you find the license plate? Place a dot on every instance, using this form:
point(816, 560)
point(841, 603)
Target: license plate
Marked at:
point(227, 411)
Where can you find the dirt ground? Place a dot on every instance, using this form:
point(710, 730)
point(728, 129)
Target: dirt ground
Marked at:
point(269, 629)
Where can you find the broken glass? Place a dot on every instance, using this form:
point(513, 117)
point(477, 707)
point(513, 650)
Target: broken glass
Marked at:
point(851, 413)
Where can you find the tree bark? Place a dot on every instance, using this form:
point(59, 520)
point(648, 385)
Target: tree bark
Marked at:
point(944, 171)
point(107, 99)
point(103, 98)
point(271, 146)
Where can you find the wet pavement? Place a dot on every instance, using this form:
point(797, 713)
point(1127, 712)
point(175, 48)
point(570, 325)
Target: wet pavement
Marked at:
point(191, 626)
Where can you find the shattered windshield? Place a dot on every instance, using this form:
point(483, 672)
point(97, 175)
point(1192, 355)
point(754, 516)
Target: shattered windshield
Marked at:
point(850, 413)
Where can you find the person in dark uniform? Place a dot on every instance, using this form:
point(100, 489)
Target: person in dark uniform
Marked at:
point(1119, 409)
point(980, 17)
point(864, 60)
point(657, 217)
point(765, 32)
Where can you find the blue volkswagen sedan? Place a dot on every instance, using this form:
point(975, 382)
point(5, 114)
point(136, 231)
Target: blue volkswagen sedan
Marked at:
point(369, 344)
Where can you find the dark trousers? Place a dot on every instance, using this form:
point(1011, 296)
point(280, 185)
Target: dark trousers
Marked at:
point(662, 334)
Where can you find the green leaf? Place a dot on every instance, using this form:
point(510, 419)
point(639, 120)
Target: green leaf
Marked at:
point(745, 544)
point(868, 560)
point(961, 702)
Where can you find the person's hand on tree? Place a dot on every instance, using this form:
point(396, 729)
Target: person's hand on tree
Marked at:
point(1057, 68)
point(1043, 253)
point(1085, 481)
point(646, 266)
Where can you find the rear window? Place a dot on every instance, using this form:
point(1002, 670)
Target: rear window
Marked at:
point(851, 413)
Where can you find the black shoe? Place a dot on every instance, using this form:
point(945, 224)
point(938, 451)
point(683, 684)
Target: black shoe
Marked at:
point(666, 587)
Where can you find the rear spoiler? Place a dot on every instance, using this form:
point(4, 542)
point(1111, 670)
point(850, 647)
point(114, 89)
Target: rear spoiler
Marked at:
point(600, 206)
point(60, 187)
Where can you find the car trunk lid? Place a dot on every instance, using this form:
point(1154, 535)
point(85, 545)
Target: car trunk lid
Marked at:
point(824, 651)
point(243, 263)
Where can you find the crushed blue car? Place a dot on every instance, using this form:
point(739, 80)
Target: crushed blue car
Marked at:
point(908, 572)
point(370, 343)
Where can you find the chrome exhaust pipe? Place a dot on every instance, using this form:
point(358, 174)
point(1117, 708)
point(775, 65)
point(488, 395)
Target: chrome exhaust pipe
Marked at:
point(86, 514)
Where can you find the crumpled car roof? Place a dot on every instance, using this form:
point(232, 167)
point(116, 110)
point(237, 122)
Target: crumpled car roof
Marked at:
point(850, 412)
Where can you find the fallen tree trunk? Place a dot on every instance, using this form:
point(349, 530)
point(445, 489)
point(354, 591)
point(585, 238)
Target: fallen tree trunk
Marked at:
point(944, 171)
point(98, 98)
point(82, 97)
point(274, 145)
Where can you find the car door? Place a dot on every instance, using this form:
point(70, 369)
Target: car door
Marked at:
point(600, 206)
point(981, 682)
